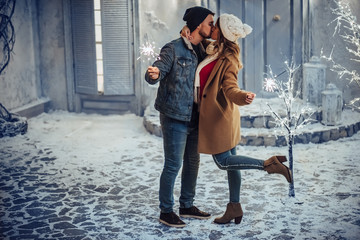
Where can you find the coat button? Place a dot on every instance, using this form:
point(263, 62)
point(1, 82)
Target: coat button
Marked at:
point(204, 96)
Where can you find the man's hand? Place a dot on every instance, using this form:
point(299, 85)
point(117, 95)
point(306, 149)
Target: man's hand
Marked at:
point(250, 97)
point(153, 72)
point(185, 32)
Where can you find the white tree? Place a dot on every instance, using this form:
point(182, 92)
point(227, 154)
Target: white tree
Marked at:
point(297, 113)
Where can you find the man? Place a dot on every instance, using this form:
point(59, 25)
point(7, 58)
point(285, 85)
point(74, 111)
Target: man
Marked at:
point(179, 115)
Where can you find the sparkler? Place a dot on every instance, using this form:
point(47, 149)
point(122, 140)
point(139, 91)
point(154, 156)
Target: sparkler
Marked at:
point(148, 51)
point(270, 84)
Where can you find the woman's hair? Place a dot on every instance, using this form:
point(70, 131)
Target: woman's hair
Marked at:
point(228, 46)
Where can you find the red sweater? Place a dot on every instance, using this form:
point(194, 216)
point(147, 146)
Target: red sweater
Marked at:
point(204, 75)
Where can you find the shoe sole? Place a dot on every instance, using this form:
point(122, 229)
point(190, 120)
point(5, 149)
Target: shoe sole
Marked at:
point(172, 225)
point(192, 216)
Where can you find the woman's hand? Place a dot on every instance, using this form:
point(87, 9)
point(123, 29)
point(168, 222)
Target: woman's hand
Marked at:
point(153, 72)
point(250, 97)
point(185, 32)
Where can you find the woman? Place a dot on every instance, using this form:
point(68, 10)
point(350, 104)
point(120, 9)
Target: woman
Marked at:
point(219, 96)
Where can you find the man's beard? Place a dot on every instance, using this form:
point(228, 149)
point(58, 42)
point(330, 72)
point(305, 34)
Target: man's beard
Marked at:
point(202, 34)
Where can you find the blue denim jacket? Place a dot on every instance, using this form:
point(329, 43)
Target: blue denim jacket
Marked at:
point(177, 64)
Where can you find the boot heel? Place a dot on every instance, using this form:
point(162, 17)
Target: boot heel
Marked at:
point(238, 220)
point(281, 158)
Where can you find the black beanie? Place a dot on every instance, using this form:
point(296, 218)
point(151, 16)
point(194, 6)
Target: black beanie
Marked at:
point(195, 15)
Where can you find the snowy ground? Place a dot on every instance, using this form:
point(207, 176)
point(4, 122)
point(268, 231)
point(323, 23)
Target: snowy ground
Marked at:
point(78, 176)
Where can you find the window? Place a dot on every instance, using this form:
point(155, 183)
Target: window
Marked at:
point(103, 47)
point(99, 55)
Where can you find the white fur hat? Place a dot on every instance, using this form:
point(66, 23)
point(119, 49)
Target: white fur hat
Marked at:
point(232, 27)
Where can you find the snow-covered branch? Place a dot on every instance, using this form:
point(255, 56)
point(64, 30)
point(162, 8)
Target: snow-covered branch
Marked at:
point(348, 29)
point(297, 113)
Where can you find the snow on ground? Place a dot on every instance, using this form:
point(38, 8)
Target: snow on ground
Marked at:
point(93, 152)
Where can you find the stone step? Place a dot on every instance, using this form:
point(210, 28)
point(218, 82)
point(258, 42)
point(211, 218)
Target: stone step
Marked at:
point(313, 133)
point(258, 114)
point(263, 120)
point(257, 136)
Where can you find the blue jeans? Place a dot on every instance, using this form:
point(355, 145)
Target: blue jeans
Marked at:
point(180, 148)
point(233, 164)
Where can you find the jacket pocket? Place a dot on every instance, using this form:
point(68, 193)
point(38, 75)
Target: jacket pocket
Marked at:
point(183, 66)
point(184, 62)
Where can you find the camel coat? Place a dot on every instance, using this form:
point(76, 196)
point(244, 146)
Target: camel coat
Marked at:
point(219, 120)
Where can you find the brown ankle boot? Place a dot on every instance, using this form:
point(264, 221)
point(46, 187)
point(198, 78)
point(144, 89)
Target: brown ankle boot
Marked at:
point(233, 211)
point(274, 165)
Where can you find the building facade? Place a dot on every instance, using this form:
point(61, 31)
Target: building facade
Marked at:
point(65, 58)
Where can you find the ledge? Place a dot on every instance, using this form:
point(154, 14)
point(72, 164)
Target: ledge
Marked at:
point(314, 133)
point(32, 109)
point(260, 136)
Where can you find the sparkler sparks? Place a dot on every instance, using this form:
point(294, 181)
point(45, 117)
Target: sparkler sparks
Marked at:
point(270, 84)
point(148, 50)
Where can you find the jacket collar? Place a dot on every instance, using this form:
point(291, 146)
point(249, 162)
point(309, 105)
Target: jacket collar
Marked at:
point(189, 45)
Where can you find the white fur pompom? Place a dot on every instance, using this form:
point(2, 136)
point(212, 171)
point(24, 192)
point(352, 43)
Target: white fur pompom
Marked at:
point(247, 29)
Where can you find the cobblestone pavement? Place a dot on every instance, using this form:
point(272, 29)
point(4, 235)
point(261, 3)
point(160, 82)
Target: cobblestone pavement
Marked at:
point(85, 186)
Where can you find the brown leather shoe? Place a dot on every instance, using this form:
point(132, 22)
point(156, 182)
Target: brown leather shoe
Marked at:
point(275, 165)
point(233, 211)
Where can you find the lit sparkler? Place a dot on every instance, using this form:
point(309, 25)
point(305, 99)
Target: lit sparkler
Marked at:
point(148, 50)
point(270, 84)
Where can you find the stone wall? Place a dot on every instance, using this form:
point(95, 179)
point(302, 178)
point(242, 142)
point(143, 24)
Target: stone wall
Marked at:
point(37, 67)
point(20, 82)
point(52, 52)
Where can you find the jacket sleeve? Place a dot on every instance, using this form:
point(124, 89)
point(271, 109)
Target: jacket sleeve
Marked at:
point(164, 63)
point(231, 87)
